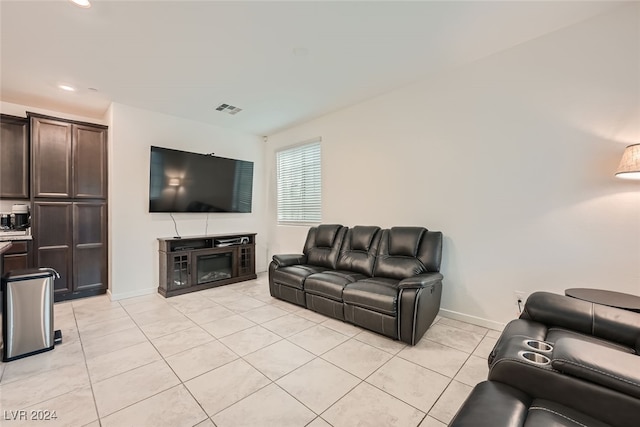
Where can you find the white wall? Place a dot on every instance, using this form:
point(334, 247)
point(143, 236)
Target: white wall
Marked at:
point(511, 157)
point(133, 230)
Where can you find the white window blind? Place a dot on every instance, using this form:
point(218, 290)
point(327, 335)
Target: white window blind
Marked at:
point(299, 184)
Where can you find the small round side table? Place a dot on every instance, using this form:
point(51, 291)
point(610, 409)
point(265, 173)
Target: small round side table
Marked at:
point(610, 298)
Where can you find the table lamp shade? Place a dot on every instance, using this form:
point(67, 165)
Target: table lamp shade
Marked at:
point(629, 167)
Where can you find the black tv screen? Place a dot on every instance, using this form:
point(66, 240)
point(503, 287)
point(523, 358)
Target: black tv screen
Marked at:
point(189, 182)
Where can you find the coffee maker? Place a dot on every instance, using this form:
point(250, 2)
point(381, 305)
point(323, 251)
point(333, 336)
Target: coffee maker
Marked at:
point(20, 217)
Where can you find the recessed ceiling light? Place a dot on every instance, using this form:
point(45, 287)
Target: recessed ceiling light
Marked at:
point(82, 3)
point(67, 88)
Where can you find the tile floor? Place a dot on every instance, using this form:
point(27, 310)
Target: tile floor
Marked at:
point(234, 356)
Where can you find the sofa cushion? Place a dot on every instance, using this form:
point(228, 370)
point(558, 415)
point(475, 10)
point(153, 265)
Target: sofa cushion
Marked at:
point(554, 334)
point(377, 294)
point(323, 245)
point(496, 404)
point(362, 237)
point(326, 235)
point(359, 249)
point(404, 241)
point(408, 251)
point(398, 267)
point(330, 284)
point(295, 275)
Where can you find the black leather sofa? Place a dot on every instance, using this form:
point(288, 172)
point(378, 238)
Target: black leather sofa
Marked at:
point(564, 362)
point(387, 281)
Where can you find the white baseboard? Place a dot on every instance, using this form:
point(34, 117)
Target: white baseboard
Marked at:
point(491, 324)
point(125, 295)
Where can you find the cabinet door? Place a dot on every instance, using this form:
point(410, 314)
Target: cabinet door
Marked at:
point(246, 260)
point(51, 145)
point(178, 271)
point(53, 240)
point(89, 246)
point(89, 162)
point(14, 157)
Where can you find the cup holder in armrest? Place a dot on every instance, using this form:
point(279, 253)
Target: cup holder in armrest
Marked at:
point(540, 346)
point(535, 358)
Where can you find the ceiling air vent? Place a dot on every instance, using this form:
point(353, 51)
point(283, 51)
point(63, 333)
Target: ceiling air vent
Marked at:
point(228, 109)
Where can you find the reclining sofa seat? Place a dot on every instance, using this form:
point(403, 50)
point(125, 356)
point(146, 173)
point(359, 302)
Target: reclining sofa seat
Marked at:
point(287, 273)
point(595, 379)
point(355, 262)
point(495, 404)
point(549, 317)
point(402, 297)
point(588, 375)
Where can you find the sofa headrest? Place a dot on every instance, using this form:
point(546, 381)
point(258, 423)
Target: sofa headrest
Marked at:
point(362, 236)
point(326, 234)
point(404, 241)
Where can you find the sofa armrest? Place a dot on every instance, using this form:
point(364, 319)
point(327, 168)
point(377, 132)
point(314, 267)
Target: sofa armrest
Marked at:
point(613, 324)
point(420, 281)
point(289, 259)
point(418, 305)
point(598, 364)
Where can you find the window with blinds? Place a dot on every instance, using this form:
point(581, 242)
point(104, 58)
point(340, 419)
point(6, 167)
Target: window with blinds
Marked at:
point(299, 184)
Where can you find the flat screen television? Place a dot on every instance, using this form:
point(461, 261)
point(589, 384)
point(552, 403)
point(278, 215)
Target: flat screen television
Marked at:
point(180, 181)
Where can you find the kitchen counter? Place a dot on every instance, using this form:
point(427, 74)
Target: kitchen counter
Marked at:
point(11, 238)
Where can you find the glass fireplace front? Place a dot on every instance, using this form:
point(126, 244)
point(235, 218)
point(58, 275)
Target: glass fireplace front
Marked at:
point(212, 267)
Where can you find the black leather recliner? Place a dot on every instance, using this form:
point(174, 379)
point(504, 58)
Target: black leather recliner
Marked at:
point(494, 404)
point(575, 383)
point(564, 362)
point(287, 273)
point(403, 296)
point(387, 281)
point(355, 262)
point(549, 317)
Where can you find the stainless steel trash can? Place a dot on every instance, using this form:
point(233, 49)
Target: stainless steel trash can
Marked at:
point(27, 315)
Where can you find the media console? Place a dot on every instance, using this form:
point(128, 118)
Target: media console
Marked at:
point(189, 264)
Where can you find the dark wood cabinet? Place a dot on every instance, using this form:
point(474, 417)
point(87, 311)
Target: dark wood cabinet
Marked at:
point(14, 157)
point(89, 246)
point(89, 162)
point(191, 264)
point(52, 228)
point(18, 257)
point(69, 159)
point(51, 152)
point(70, 237)
point(69, 193)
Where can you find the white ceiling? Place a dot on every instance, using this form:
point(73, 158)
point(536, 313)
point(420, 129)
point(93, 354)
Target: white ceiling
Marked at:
point(184, 58)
